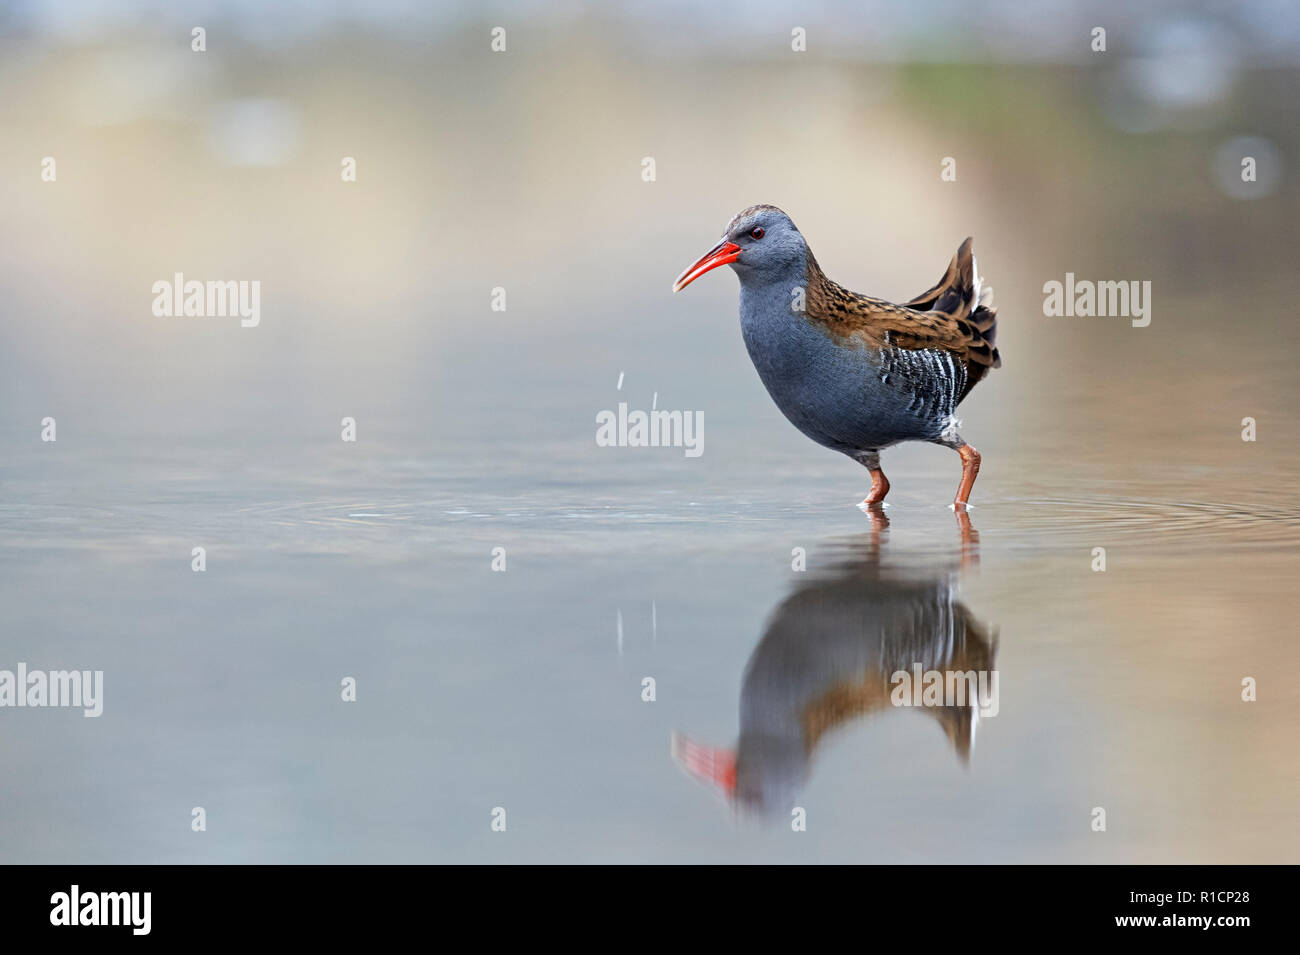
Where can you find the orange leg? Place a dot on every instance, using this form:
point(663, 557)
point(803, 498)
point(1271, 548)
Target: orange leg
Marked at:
point(879, 487)
point(970, 467)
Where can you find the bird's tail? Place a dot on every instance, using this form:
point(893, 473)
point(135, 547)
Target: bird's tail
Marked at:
point(963, 295)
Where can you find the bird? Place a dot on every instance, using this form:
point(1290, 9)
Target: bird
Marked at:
point(854, 373)
point(831, 655)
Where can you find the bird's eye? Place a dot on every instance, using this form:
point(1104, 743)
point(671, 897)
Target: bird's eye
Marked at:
point(756, 233)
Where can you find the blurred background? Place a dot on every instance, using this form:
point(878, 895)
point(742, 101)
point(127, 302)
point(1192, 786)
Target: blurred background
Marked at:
point(522, 170)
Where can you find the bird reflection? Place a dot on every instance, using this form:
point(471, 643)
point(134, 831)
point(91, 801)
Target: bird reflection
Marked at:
point(826, 660)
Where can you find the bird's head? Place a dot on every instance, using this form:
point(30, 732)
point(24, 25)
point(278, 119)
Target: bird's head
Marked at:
point(759, 241)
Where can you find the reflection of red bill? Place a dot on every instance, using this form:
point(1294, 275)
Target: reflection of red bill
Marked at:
point(713, 765)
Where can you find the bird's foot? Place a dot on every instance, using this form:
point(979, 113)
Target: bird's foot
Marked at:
point(879, 488)
point(970, 468)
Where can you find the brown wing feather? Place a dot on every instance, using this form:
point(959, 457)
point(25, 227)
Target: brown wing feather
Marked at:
point(951, 280)
point(946, 317)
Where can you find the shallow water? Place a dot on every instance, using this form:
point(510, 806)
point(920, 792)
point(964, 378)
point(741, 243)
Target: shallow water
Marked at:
point(522, 689)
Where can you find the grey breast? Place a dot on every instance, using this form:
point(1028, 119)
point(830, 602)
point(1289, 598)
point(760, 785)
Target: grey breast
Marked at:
point(848, 396)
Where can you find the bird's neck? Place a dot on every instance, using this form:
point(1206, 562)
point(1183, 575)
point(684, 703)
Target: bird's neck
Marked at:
point(824, 294)
point(799, 286)
point(775, 293)
point(814, 277)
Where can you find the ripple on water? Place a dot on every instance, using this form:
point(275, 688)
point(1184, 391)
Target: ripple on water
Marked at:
point(1256, 524)
point(1025, 522)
